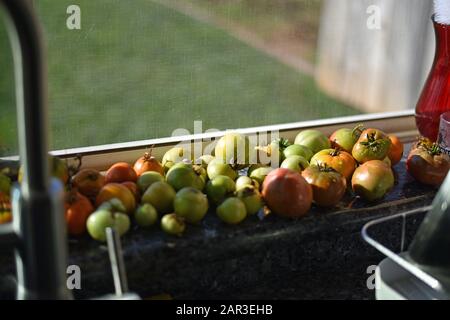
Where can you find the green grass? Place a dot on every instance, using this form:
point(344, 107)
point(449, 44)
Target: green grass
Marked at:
point(138, 70)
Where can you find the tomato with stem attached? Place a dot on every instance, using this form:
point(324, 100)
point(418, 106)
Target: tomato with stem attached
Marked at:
point(327, 184)
point(427, 163)
point(373, 144)
point(147, 163)
point(345, 139)
point(341, 161)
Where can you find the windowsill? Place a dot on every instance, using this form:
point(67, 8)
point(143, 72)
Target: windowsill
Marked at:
point(401, 123)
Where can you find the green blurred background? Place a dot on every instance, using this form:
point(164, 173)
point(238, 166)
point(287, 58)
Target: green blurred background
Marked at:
point(139, 70)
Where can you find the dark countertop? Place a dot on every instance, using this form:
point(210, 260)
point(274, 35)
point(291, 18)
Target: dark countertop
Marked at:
point(321, 256)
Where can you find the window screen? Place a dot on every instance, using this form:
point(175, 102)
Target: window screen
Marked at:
point(130, 70)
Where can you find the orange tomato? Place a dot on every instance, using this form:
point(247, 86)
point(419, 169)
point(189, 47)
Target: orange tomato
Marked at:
point(148, 163)
point(396, 150)
point(133, 188)
point(120, 172)
point(5, 208)
point(119, 191)
point(341, 161)
point(78, 209)
point(88, 182)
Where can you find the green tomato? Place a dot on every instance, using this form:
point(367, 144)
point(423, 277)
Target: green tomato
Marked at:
point(298, 150)
point(113, 205)
point(173, 224)
point(146, 215)
point(146, 179)
point(295, 163)
point(173, 156)
point(346, 138)
point(260, 173)
point(314, 140)
point(191, 204)
point(161, 196)
point(233, 148)
point(205, 160)
point(100, 220)
point(219, 188)
point(245, 181)
point(232, 211)
point(252, 199)
point(218, 168)
point(372, 180)
point(182, 175)
point(5, 184)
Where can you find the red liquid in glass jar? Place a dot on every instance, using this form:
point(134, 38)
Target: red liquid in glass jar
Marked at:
point(435, 97)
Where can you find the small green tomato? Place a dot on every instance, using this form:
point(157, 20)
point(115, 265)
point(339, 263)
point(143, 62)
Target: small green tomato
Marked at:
point(232, 211)
point(146, 215)
point(173, 224)
point(191, 204)
point(252, 199)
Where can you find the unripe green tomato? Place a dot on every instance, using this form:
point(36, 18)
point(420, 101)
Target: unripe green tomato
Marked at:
point(173, 224)
point(146, 179)
point(232, 211)
point(244, 181)
point(146, 215)
point(314, 140)
point(161, 196)
point(252, 199)
point(259, 173)
point(298, 150)
point(233, 148)
point(100, 220)
point(219, 188)
point(191, 204)
point(295, 163)
point(218, 168)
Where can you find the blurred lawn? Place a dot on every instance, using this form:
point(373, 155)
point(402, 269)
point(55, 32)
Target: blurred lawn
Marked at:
point(293, 24)
point(138, 70)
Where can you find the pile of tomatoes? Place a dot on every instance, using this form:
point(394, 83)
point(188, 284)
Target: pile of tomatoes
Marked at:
point(179, 190)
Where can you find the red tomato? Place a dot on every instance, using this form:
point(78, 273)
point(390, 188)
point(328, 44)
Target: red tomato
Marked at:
point(395, 153)
point(327, 184)
point(120, 172)
point(287, 193)
point(427, 163)
point(78, 209)
point(88, 182)
point(148, 163)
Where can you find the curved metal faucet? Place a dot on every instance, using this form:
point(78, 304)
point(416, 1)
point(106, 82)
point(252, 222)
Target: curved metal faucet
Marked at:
point(38, 232)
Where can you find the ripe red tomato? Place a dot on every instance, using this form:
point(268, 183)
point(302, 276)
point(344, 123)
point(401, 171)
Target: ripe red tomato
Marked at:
point(373, 144)
point(78, 209)
point(120, 172)
point(427, 163)
point(395, 153)
point(287, 193)
point(88, 182)
point(119, 191)
point(148, 163)
point(328, 185)
point(340, 161)
point(372, 180)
